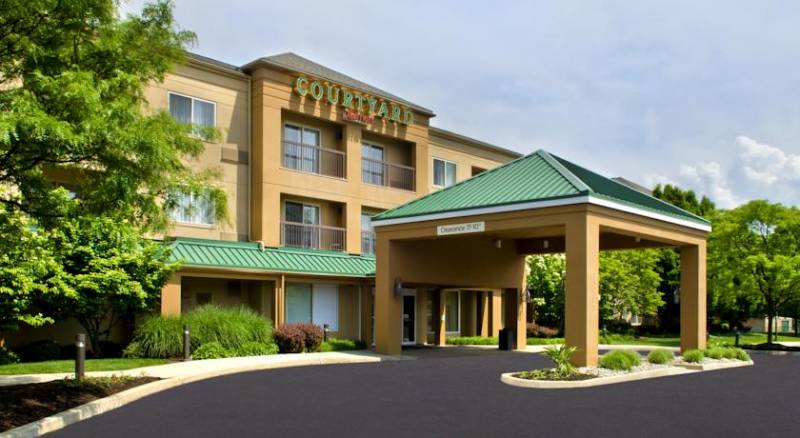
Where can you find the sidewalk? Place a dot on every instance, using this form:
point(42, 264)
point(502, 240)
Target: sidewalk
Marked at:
point(215, 367)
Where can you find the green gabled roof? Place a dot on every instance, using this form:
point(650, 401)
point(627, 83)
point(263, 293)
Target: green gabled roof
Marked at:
point(537, 177)
point(249, 255)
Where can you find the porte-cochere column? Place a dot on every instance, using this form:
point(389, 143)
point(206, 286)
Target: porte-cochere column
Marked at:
point(582, 310)
point(693, 297)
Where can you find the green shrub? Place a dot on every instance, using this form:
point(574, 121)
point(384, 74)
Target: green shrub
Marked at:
point(230, 326)
point(334, 344)
point(39, 351)
point(471, 340)
point(693, 356)
point(560, 355)
point(616, 338)
point(661, 356)
point(253, 348)
point(620, 360)
point(740, 354)
point(715, 352)
point(159, 337)
point(133, 351)
point(7, 356)
point(162, 336)
point(211, 350)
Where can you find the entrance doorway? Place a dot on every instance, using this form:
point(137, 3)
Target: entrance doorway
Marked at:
point(409, 329)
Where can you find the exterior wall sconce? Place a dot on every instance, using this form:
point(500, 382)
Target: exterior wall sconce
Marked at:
point(398, 287)
point(498, 243)
point(546, 244)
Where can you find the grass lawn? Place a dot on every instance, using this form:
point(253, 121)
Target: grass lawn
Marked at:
point(616, 339)
point(68, 366)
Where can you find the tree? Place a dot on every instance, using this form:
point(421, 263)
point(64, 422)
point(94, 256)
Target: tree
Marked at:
point(73, 113)
point(756, 257)
point(29, 273)
point(629, 283)
point(73, 118)
point(546, 277)
point(113, 272)
point(669, 258)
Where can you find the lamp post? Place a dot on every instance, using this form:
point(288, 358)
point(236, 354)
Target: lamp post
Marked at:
point(80, 356)
point(187, 343)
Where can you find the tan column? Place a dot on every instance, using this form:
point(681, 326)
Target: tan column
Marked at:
point(171, 296)
point(693, 297)
point(422, 316)
point(439, 317)
point(387, 305)
point(366, 313)
point(352, 146)
point(422, 163)
point(352, 219)
point(581, 301)
point(495, 304)
point(280, 301)
point(483, 313)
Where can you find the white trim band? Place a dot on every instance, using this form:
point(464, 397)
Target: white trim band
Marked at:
point(586, 199)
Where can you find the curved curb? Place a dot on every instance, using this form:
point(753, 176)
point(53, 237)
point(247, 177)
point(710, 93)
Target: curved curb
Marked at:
point(509, 379)
point(714, 365)
point(103, 405)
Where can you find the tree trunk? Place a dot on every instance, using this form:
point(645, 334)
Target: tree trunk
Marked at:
point(770, 318)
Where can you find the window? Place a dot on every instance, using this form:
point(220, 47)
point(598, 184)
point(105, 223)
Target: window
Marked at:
point(315, 303)
point(301, 225)
point(452, 312)
point(444, 173)
point(189, 110)
point(193, 209)
point(372, 164)
point(367, 235)
point(301, 148)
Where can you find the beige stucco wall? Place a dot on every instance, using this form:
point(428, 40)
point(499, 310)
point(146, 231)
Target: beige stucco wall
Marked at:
point(230, 96)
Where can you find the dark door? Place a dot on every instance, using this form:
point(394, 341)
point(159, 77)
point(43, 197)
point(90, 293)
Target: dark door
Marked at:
point(409, 308)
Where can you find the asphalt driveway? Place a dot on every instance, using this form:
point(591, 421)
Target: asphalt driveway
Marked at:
point(461, 396)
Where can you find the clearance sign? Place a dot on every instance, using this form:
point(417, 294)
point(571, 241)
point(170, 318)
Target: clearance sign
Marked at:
point(358, 108)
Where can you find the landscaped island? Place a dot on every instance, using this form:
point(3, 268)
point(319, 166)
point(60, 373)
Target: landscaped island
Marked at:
point(624, 365)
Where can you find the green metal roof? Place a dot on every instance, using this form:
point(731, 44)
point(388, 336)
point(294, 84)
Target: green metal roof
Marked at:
point(249, 255)
point(539, 176)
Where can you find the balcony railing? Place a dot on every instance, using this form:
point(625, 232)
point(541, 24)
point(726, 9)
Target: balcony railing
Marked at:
point(314, 159)
point(312, 236)
point(367, 243)
point(386, 174)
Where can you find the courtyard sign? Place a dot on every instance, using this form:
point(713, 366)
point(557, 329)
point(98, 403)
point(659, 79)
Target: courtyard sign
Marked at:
point(359, 108)
point(472, 227)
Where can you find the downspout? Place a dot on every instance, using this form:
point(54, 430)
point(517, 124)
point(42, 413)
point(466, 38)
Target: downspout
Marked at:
point(360, 315)
point(249, 157)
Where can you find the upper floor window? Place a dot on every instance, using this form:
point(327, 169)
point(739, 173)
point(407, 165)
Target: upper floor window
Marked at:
point(372, 169)
point(444, 173)
point(301, 149)
point(367, 235)
point(193, 209)
point(201, 114)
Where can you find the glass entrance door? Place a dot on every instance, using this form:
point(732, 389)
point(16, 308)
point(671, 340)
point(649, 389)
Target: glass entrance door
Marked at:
point(409, 319)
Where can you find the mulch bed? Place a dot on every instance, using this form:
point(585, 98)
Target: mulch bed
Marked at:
point(771, 347)
point(23, 404)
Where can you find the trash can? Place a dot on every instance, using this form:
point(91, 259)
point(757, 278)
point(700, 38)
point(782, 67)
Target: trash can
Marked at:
point(506, 339)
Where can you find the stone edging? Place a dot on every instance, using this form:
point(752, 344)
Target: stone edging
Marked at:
point(677, 369)
point(100, 406)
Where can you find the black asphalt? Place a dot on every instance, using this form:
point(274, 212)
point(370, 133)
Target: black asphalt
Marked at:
point(462, 396)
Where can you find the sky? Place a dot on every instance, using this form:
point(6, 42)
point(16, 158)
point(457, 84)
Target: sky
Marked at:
point(705, 95)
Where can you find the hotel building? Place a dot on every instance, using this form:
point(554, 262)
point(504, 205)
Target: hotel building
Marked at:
point(307, 155)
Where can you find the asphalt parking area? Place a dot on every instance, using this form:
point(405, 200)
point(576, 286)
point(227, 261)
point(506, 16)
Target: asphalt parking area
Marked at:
point(461, 395)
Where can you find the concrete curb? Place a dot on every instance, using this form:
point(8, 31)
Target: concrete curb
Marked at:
point(509, 379)
point(714, 365)
point(100, 406)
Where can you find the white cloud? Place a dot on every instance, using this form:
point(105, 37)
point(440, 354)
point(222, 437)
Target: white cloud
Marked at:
point(709, 179)
point(765, 164)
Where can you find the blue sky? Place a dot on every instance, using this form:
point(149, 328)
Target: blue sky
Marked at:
point(702, 94)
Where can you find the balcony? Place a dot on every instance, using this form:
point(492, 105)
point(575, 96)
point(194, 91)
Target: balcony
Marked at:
point(385, 174)
point(314, 159)
point(368, 243)
point(300, 235)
